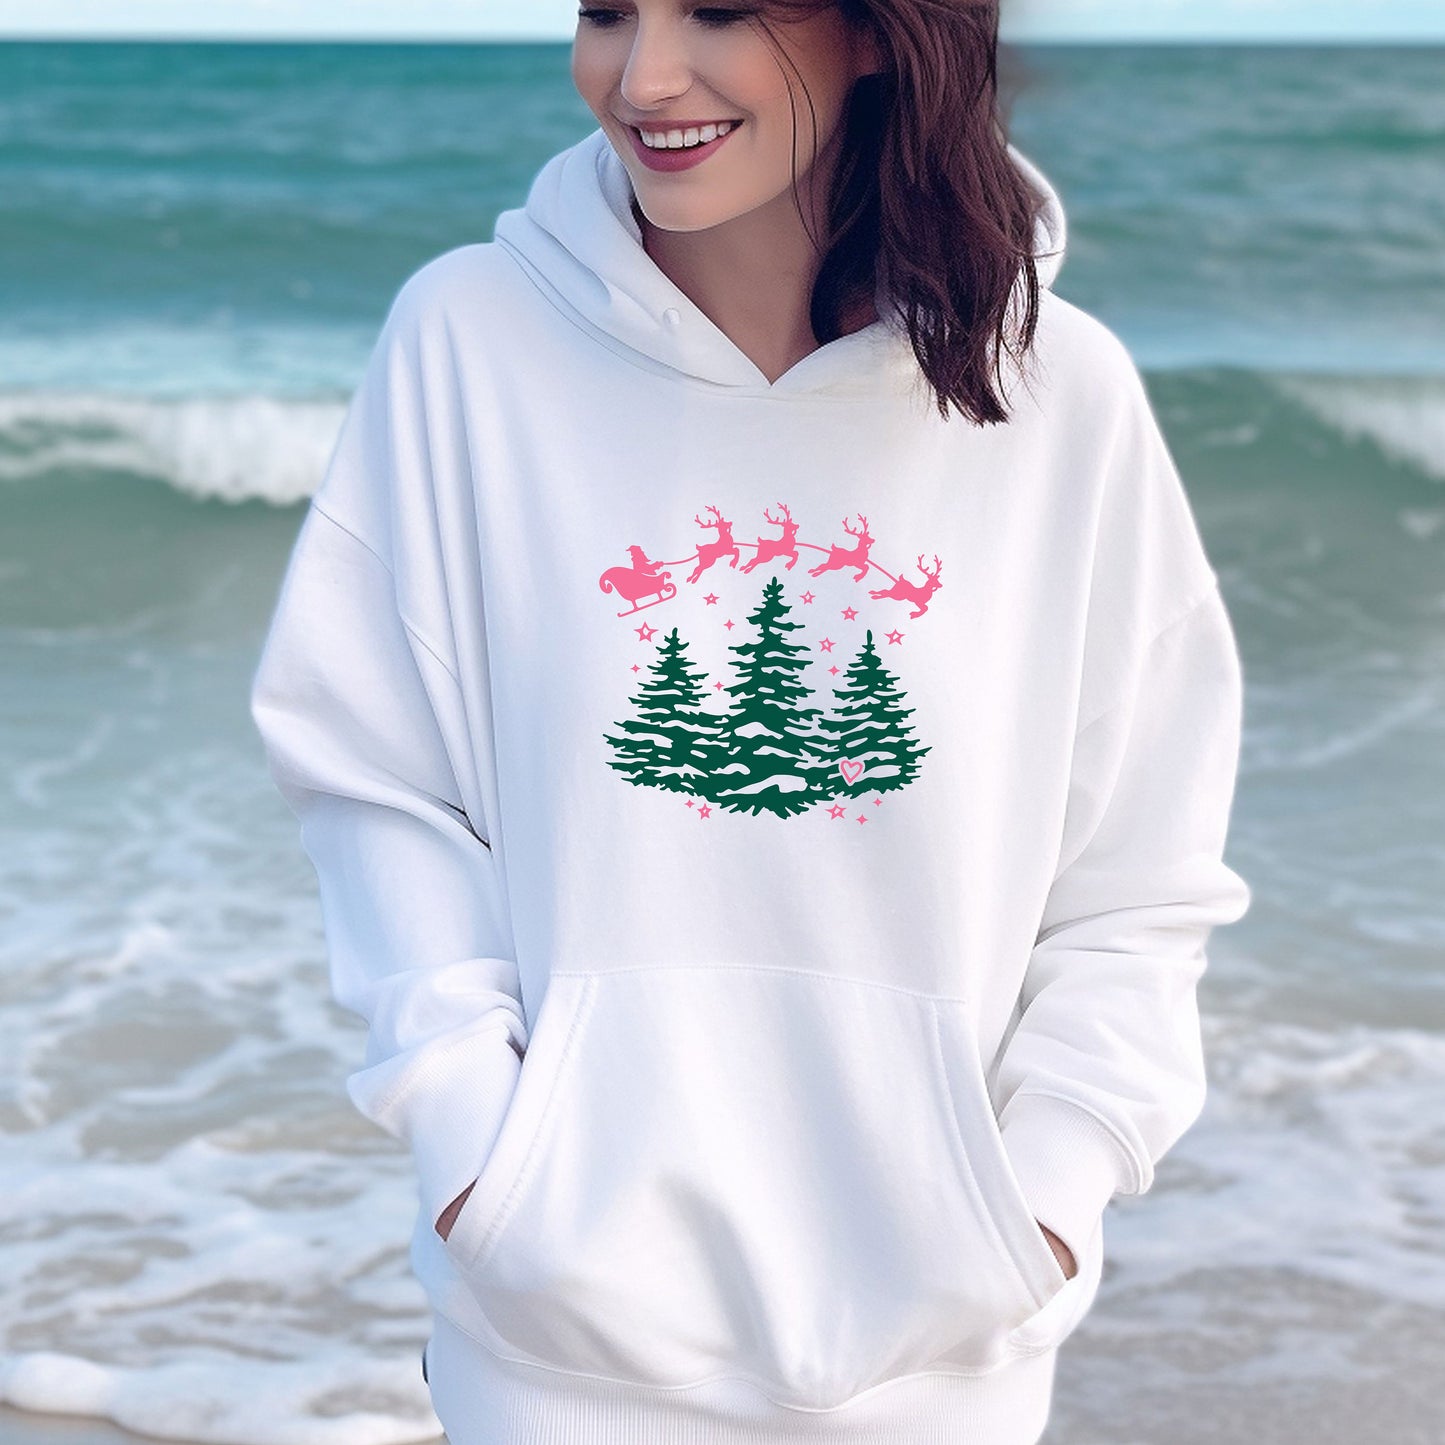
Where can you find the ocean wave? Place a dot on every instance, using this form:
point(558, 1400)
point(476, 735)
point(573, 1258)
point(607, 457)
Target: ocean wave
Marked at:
point(230, 448)
point(271, 448)
point(1403, 415)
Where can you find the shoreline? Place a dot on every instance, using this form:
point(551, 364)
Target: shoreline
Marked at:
point(31, 1427)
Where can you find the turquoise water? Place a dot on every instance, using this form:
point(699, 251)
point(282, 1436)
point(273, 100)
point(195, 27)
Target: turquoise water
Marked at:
point(197, 245)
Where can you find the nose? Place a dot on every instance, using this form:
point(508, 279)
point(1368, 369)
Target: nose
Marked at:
point(659, 66)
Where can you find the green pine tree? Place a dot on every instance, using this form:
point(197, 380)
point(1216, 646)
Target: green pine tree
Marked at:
point(867, 724)
point(771, 734)
point(674, 741)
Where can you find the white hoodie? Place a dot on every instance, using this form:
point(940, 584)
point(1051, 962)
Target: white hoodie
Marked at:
point(827, 800)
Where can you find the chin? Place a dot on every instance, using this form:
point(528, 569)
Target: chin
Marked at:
point(703, 210)
point(679, 217)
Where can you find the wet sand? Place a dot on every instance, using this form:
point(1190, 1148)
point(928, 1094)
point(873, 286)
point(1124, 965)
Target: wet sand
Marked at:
point(23, 1427)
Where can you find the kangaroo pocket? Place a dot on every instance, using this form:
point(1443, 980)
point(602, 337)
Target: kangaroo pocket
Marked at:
point(753, 1172)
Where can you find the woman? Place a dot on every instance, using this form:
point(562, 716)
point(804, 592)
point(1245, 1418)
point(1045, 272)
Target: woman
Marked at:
point(778, 935)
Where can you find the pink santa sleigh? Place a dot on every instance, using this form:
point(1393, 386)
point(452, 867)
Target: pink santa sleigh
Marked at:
point(641, 580)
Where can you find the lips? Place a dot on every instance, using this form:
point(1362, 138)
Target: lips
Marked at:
point(678, 160)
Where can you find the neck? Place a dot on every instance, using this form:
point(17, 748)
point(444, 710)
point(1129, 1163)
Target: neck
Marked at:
point(753, 277)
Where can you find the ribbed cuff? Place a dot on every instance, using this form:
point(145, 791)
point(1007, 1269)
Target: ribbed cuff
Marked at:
point(1069, 1165)
point(453, 1117)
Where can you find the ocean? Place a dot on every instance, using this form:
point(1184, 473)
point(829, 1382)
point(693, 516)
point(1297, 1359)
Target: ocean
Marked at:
point(199, 1237)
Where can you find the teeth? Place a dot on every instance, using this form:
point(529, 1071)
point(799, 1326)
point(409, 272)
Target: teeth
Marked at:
point(676, 140)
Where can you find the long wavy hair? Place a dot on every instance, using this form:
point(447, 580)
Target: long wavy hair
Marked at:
point(926, 198)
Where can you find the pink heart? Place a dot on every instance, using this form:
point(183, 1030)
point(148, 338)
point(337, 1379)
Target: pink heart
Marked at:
point(850, 768)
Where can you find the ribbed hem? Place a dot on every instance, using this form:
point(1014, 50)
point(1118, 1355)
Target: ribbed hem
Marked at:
point(483, 1399)
point(1069, 1164)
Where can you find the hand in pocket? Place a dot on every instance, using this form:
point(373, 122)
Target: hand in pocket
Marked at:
point(449, 1214)
point(1062, 1252)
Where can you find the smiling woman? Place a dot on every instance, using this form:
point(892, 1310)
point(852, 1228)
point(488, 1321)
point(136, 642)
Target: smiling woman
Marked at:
point(773, 989)
point(783, 228)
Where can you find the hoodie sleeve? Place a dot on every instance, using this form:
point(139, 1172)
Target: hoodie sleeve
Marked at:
point(1105, 1071)
point(364, 727)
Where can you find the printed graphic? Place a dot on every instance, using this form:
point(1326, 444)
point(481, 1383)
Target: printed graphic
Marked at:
point(641, 580)
point(780, 745)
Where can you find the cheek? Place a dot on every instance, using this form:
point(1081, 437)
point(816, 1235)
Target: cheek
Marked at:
point(591, 74)
point(779, 101)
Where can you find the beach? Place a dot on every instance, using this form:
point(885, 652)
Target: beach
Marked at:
point(20, 1427)
point(198, 1232)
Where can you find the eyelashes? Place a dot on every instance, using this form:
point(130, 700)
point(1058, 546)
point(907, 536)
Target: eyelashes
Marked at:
point(714, 17)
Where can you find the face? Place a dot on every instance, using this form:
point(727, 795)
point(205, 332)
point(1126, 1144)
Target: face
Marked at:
point(652, 64)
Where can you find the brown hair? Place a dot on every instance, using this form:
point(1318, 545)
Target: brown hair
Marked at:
point(926, 196)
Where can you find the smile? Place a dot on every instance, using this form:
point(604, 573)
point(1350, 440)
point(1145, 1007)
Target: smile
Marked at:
point(668, 157)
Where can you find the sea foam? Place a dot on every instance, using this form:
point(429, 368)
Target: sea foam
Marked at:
point(230, 448)
point(1403, 415)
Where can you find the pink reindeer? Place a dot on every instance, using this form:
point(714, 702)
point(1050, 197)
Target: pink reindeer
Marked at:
point(773, 547)
point(905, 591)
point(709, 552)
point(843, 557)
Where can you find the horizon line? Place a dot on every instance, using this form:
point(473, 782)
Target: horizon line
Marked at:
point(182, 38)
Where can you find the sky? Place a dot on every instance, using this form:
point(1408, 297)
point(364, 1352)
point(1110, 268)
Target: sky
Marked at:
point(1024, 20)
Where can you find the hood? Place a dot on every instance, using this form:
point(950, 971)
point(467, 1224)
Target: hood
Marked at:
point(577, 238)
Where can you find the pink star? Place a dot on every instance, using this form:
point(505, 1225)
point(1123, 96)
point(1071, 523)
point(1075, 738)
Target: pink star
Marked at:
point(645, 632)
point(877, 802)
point(834, 668)
point(688, 801)
point(636, 667)
point(837, 810)
point(894, 636)
point(807, 597)
point(704, 811)
point(729, 624)
point(710, 598)
point(718, 686)
point(850, 613)
point(862, 818)
point(826, 645)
